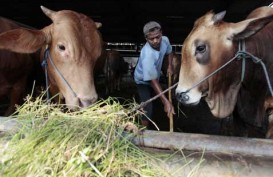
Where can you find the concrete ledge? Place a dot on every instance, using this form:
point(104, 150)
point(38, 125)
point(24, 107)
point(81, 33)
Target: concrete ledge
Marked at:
point(8, 124)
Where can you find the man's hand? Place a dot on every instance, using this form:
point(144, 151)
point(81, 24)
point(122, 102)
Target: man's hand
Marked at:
point(168, 108)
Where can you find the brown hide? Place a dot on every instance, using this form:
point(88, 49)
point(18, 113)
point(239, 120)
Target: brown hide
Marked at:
point(15, 70)
point(268, 107)
point(176, 63)
point(100, 64)
point(74, 44)
point(112, 65)
point(213, 42)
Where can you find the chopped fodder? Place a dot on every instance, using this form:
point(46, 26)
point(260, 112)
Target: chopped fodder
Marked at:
point(89, 142)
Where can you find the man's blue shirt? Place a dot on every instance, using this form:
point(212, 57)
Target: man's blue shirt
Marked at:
point(150, 62)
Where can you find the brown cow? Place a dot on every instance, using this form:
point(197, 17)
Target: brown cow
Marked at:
point(15, 69)
point(73, 44)
point(213, 42)
point(112, 65)
point(115, 68)
point(176, 62)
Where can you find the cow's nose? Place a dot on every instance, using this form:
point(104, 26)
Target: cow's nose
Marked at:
point(182, 97)
point(87, 102)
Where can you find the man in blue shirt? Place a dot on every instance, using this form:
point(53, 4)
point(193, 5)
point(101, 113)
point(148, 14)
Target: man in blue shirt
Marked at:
point(148, 68)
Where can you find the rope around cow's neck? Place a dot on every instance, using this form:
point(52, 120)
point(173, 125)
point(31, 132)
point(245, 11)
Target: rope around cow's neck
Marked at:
point(45, 64)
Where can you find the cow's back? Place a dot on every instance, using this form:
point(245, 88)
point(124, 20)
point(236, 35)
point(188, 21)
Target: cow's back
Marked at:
point(7, 25)
point(11, 61)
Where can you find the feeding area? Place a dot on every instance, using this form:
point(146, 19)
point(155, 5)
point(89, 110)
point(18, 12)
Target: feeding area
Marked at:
point(90, 123)
point(91, 142)
point(43, 140)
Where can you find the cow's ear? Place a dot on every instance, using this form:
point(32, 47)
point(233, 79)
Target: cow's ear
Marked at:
point(218, 17)
point(250, 27)
point(22, 40)
point(98, 24)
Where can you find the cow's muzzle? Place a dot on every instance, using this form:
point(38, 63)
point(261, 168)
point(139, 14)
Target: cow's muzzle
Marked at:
point(87, 102)
point(182, 97)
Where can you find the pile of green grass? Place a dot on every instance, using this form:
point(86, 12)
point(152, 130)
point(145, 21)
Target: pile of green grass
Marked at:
point(90, 142)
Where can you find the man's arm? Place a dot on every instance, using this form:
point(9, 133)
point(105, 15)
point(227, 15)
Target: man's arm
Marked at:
point(168, 107)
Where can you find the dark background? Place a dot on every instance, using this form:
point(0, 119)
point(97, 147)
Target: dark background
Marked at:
point(123, 20)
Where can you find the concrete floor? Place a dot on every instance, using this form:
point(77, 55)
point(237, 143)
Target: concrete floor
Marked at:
point(203, 164)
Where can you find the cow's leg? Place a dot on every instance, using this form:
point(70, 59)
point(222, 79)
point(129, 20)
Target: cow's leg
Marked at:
point(4, 97)
point(117, 81)
point(112, 81)
point(239, 126)
point(269, 109)
point(119, 77)
point(269, 133)
point(107, 80)
point(16, 95)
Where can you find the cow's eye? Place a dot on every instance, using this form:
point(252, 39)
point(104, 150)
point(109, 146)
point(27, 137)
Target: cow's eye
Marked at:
point(61, 47)
point(201, 49)
point(202, 52)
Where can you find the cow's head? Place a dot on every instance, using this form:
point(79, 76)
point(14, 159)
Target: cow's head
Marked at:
point(74, 44)
point(211, 43)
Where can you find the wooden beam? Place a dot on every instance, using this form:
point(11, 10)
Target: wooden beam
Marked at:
point(209, 143)
point(187, 141)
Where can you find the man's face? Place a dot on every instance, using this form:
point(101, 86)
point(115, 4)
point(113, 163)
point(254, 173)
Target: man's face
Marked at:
point(154, 38)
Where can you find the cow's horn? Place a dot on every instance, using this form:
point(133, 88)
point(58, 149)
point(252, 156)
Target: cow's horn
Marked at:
point(219, 17)
point(98, 24)
point(48, 12)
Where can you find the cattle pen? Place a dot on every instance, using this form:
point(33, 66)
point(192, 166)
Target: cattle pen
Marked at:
point(84, 54)
point(188, 152)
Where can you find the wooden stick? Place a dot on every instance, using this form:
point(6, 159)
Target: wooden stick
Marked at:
point(170, 99)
